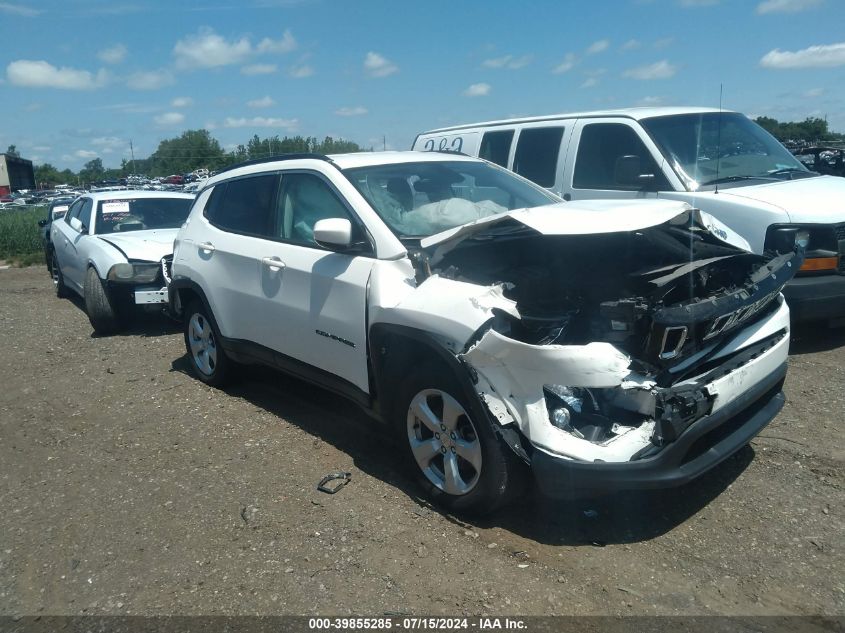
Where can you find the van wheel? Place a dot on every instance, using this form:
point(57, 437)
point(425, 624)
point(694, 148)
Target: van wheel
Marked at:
point(99, 304)
point(208, 360)
point(460, 461)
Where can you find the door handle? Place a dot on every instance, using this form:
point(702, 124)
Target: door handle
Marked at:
point(208, 247)
point(273, 263)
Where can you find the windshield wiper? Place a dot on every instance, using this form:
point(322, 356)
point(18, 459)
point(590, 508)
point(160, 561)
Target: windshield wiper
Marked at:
point(806, 173)
point(719, 181)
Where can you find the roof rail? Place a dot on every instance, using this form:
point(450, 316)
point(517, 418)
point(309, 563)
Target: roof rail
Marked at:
point(277, 157)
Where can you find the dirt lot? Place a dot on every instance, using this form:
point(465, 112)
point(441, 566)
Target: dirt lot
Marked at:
point(127, 487)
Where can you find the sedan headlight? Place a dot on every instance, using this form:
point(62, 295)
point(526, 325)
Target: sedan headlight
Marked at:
point(134, 273)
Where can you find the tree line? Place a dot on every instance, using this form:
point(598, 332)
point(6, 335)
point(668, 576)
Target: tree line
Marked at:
point(194, 149)
point(811, 129)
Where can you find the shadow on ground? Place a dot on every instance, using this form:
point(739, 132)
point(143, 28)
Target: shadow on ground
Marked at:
point(624, 517)
point(135, 322)
point(810, 338)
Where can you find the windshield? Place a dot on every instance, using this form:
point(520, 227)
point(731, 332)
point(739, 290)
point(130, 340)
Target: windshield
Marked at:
point(692, 143)
point(421, 199)
point(120, 216)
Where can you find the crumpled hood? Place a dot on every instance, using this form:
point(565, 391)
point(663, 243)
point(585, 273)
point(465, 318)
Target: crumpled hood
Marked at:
point(820, 199)
point(149, 245)
point(585, 218)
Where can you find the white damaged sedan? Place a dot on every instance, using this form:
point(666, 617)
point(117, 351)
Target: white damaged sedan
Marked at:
point(113, 249)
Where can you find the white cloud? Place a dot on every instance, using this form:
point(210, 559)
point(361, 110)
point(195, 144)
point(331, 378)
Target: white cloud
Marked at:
point(658, 70)
point(40, 74)
point(566, 65)
point(41, 148)
point(598, 46)
point(356, 111)
point(590, 82)
point(650, 101)
point(169, 118)
point(376, 65)
point(264, 102)
point(814, 92)
point(113, 54)
point(507, 61)
point(260, 121)
point(477, 90)
point(18, 9)
point(631, 45)
point(84, 153)
point(149, 80)
point(300, 72)
point(663, 42)
point(786, 6)
point(207, 49)
point(259, 69)
point(813, 57)
point(284, 45)
point(110, 142)
point(182, 102)
point(33, 107)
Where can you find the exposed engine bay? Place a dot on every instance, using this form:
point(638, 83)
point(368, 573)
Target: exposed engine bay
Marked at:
point(616, 339)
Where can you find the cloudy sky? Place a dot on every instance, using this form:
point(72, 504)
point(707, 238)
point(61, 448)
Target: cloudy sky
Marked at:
point(80, 78)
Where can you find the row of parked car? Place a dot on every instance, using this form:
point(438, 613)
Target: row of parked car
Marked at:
point(631, 341)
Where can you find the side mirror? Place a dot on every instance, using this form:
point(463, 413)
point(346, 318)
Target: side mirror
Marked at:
point(628, 172)
point(333, 233)
point(76, 225)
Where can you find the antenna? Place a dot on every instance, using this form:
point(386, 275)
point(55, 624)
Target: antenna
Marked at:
point(718, 139)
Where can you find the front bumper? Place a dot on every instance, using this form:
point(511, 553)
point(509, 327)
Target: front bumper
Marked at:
point(706, 443)
point(816, 298)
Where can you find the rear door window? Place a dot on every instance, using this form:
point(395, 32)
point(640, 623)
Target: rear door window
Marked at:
point(496, 147)
point(245, 205)
point(536, 154)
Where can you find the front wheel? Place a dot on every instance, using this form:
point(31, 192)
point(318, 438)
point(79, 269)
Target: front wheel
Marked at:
point(99, 304)
point(58, 278)
point(208, 360)
point(459, 460)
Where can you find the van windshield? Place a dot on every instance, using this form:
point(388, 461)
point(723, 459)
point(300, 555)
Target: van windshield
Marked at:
point(420, 199)
point(709, 149)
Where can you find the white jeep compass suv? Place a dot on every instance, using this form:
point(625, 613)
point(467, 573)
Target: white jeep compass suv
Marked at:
point(490, 326)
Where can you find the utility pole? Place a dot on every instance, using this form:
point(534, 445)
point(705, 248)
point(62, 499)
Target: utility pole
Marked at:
point(132, 151)
point(384, 143)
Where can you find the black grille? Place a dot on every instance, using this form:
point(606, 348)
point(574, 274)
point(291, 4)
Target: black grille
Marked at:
point(840, 240)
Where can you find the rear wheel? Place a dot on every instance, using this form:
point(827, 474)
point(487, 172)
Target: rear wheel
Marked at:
point(459, 460)
point(208, 360)
point(58, 278)
point(99, 304)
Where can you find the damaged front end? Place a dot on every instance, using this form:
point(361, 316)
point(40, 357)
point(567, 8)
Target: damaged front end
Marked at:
point(607, 347)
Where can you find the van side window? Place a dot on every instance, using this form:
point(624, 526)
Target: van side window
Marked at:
point(600, 148)
point(496, 147)
point(536, 154)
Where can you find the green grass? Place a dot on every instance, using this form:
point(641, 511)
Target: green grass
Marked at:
point(20, 241)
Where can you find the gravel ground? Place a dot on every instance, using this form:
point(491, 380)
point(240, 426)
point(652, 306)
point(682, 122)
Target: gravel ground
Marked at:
point(128, 487)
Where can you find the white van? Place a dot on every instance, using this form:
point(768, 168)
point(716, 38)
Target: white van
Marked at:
point(720, 162)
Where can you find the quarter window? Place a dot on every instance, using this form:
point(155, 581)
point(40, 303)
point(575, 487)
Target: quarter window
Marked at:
point(536, 154)
point(85, 213)
point(496, 147)
point(600, 148)
point(245, 205)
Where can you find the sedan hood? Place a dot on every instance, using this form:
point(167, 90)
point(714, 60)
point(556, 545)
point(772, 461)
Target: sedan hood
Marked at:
point(585, 218)
point(143, 245)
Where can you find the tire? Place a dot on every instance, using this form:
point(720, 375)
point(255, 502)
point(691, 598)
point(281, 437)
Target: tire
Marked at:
point(58, 278)
point(460, 462)
point(99, 305)
point(208, 361)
